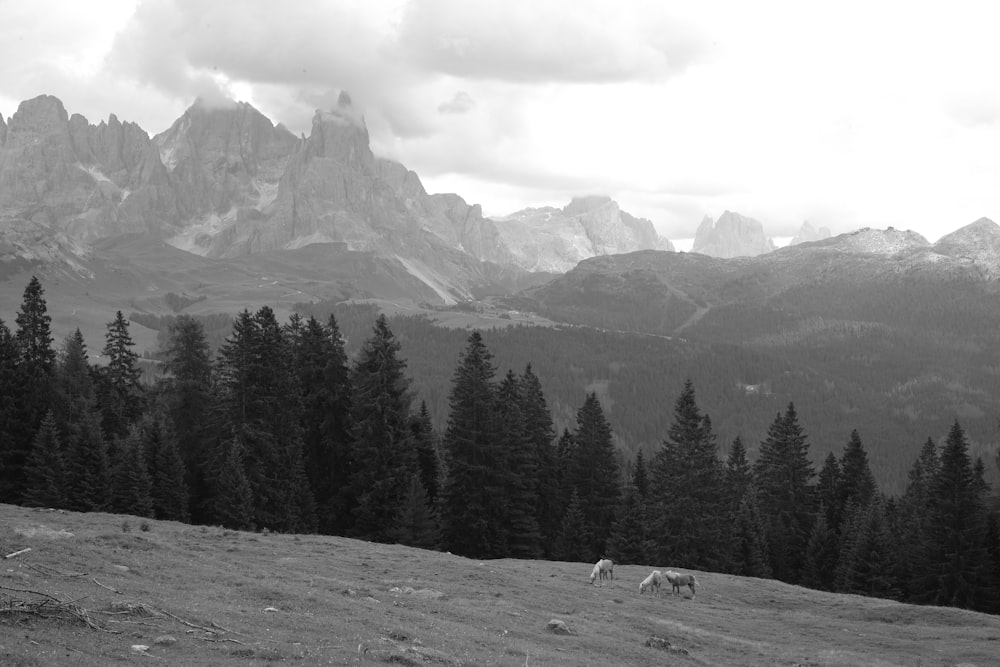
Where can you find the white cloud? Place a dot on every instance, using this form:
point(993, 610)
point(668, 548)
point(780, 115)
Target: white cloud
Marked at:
point(849, 114)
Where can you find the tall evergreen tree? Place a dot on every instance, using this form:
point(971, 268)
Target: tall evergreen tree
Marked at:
point(630, 542)
point(867, 561)
point(169, 489)
point(259, 404)
point(822, 552)
point(416, 524)
point(15, 424)
point(324, 380)
point(574, 541)
point(87, 468)
point(917, 580)
point(956, 527)
point(783, 472)
point(523, 537)
point(232, 500)
point(640, 477)
point(45, 471)
point(188, 398)
point(131, 488)
point(748, 549)
point(857, 482)
point(540, 431)
point(828, 494)
point(425, 442)
point(594, 473)
point(384, 454)
point(35, 366)
point(473, 493)
point(689, 498)
point(120, 391)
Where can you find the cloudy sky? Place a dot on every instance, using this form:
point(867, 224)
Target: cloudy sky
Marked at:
point(844, 113)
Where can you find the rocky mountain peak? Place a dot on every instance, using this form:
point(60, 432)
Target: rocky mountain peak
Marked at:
point(732, 235)
point(979, 241)
point(3, 130)
point(889, 241)
point(586, 204)
point(807, 233)
point(556, 240)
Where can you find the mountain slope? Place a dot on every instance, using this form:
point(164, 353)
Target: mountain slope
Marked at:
point(229, 597)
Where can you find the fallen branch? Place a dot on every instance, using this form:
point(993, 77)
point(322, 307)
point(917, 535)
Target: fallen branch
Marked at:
point(49, 607)
point(17, 553)
point(221, 639)
point(113, 590)
point(189, 624)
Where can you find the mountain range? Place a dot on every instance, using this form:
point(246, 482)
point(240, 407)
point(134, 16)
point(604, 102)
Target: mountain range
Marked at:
point(225, 210)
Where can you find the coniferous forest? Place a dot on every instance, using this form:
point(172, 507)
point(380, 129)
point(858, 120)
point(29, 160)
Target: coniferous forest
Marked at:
point(281, 430)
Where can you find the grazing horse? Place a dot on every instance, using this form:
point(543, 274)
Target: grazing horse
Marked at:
point(677, 580)
point(605, 569)
point(652, 582)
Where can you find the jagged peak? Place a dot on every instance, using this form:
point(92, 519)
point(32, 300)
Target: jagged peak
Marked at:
point(344, 114)
point(586, 203)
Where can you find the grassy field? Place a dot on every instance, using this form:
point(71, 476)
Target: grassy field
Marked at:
point(95, 586)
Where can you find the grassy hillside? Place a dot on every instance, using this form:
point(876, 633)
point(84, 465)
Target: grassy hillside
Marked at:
point(93, 586)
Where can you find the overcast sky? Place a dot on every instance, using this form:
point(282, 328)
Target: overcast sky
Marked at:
point(847, 114)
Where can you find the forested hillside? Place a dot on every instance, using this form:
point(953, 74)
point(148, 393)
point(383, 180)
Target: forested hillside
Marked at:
point(290, 429)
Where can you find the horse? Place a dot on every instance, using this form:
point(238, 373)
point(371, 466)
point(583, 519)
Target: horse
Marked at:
point(677, 580)
point(651, 582)
point(605, 569)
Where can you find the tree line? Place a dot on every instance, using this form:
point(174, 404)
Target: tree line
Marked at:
point(283, 431)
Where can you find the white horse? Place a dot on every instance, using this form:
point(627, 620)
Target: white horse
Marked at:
point(677, 580)
point(652, 582)
point(605, 569)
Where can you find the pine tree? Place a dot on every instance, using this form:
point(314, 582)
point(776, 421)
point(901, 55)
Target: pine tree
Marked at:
point(783, 473)
point(416, 525)
point(749, 549)
point(131, 488)
point(87, 468)
point(738, 473)
point(856, 479)
point(169, 490)
point(913, 559)
point(259, 403)
point(594, 474)
point(828, 494)
point(867, 561)
point(822, 552)
point(232, 502)
point(324, 380)
point(473, 493)
point(956, 527)
point(14, 427)
point(689, 498)
point(32, 373)
point(425, 442)
point(520, 474)
point(574, 541)
point(384, 455)
point(540, 431)
point(188, 397)
point(629, 542)
point(120, 391)
point(640, 477)
point(45, 473)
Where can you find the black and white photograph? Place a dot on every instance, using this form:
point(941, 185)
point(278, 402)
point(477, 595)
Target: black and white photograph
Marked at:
point(527, 333)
